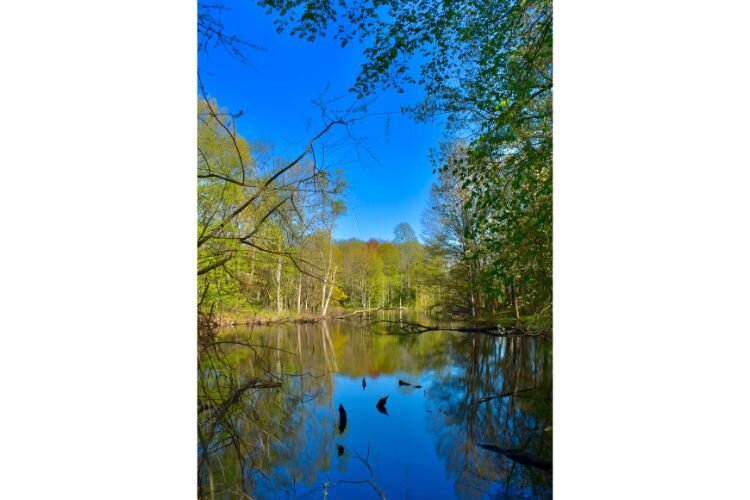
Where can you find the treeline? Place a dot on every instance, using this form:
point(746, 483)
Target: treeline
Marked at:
point(261, 220)
point(265, 241)
point(385, 274)
point(485, 67)
point(265, 235)
point(363, 274)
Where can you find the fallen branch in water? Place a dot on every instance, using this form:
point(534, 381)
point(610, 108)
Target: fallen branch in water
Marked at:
point(521, 457)
point(252, 383)
point(327, 485)
point(411, 328)
point(368, 310)
point(253, 346)
point(366, 462)
point(505, 394)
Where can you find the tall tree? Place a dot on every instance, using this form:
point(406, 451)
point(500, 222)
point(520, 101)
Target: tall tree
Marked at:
point(487, 66)
point(446, 223)
point(246, 208)
point(403, 233)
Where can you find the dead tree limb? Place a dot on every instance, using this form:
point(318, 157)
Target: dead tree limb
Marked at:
point(505, 394)
point(213, 232)
point(368, 310)
point(253, 383)
point(412, 328)
point(521, 457)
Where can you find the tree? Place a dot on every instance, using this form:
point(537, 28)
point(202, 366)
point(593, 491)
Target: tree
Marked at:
point(247, 210)
point(446, 223)
point(404, 233)
point(487, 67)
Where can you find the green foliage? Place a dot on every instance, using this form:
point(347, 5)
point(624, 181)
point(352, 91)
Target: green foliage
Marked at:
point(262, 227)
point(487, 67)
point(387, 274)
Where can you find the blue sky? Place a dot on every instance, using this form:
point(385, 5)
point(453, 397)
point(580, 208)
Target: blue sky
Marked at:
point(275, 95)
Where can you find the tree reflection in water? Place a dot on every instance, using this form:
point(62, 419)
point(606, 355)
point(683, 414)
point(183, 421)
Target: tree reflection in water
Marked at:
point(466, 416)
point(261, 441)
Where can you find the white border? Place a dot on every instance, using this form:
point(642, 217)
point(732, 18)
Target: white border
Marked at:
point(651, 250)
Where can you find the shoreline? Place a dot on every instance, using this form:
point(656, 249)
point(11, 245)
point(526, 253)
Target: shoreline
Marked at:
point(266, 318)
point(231, 320)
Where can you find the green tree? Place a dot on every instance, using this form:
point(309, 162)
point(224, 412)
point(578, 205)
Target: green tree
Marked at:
point(487, 67)
point(253, 219)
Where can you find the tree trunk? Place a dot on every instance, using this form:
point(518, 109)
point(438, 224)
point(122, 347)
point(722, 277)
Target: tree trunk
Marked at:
point(278, 287)
point(299, 294)
point(330, 291)
point(252, 265)
point(325, 285)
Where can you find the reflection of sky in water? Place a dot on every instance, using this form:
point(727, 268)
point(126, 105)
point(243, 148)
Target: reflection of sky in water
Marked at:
point(426, 447)
point(402, 454)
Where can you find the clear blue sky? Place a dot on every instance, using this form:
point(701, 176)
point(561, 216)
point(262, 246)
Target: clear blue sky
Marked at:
point(275, 95)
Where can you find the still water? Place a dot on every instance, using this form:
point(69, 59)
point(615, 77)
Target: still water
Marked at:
point(424, 442)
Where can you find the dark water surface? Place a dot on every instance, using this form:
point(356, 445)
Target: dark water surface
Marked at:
point(287, 442)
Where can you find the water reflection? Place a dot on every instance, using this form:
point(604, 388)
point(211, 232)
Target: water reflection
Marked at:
point(422, 442)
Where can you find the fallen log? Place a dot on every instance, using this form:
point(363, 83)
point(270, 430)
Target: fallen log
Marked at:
point(505, 394)
point(368, 310)
point(234, 398)
point(521, 457)
point(412, 328)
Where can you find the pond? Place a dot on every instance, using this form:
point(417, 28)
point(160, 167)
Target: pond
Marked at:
point(293, 411)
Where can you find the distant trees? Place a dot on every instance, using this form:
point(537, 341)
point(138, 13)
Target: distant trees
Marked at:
point(389, 273)
point(312, 274)
point(265, 235)
point(404, 233)
point(265, 239)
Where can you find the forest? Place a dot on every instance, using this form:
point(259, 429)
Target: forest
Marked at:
point(266, 246)
point(265, 224)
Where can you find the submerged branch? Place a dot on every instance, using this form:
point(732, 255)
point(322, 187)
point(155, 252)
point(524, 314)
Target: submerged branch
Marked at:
point(412, 328)
point(505, 394)
point(521, 457)
point(253, 383)
point(368, 310)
